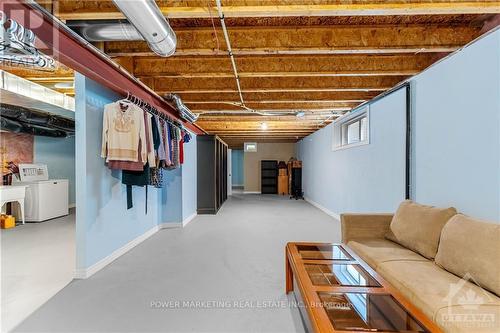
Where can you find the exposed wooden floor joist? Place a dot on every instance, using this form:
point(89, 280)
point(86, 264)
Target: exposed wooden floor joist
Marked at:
point(317, 58)
point(264, 97)
point(197, 84)
point(71, 10)
point(293, 40)
point(283, 66)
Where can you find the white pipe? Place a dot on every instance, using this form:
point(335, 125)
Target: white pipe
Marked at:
point(273, 112)
point(237, 77)
point(249, 111)
point(230, 51)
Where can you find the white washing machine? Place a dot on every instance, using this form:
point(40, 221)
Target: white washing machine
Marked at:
point(45, 198)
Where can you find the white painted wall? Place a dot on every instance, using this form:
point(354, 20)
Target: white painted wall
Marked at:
point(456, 143)
point(189, 179)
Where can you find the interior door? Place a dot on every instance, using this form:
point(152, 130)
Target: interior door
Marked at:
point(229, 175)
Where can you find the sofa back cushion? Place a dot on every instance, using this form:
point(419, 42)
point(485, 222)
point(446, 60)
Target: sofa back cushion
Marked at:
point(470, 249)
point(418, 227)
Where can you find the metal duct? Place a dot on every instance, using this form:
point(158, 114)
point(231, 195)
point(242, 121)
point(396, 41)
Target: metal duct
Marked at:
point(23, 120)
point(108, 31)
point(149, 21)
point(184, 111)
point(10, 125)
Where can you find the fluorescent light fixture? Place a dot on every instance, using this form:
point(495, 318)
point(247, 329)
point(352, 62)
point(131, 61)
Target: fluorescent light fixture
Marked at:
point(263, 126)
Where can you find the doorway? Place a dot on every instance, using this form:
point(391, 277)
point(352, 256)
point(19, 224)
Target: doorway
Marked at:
point(237, 170)
point(38, 247)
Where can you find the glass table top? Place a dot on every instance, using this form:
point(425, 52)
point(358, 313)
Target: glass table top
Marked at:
point(323, 252)
point(367, 312)
point(340, 274)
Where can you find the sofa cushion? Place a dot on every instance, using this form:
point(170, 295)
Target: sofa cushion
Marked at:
point(418, 227)
point(377, 251)
point(432, 289)
point(467, 319)
point(470, 248)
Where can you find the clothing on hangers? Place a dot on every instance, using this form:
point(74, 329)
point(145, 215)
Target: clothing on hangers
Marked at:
point(137, 166)
point(156, 177)
point(149, 133)
point(181, 148)
point(175, 147)
point(187, 136)
point(168, 147)
point(168, 155)
point(156, 134)
point(137, 178)
point(123, 130)
point(161, 148)
point(136, 135)
point(139, 140)
point(149, 139)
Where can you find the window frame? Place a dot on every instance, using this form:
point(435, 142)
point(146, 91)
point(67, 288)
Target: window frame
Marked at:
point(340, 129)
point(245, 147)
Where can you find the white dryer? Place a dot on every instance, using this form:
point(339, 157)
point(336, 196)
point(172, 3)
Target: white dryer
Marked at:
point(45, 198)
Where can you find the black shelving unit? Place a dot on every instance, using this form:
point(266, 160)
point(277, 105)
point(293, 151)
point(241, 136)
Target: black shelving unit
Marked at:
point(269, 177)
point(212, 173)
point(296, 190)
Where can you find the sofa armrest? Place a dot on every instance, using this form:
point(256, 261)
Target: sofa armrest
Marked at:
point(359, 226)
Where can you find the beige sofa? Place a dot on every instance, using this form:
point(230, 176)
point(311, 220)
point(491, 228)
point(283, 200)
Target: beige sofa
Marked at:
point(458, 289)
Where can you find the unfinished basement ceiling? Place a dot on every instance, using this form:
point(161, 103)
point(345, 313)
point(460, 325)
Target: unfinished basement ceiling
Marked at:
point(319, 57)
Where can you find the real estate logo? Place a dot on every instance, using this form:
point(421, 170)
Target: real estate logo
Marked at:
point(20, 37)
point(470, 306)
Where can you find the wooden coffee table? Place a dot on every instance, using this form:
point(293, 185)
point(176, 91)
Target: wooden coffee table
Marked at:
point(338, 292)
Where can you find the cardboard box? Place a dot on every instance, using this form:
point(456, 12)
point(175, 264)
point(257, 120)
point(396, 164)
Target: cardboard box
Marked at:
point(283, 185)
point(7, 221)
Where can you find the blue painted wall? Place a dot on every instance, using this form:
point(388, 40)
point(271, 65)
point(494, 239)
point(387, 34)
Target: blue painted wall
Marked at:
point(59, 155)
point(103, 223)
point(237, 167)
point(179, 196)
point(456, 143)
point(367, 178)
point(171, 196)
point(457, 131)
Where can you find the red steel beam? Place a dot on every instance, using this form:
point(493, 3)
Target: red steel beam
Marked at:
point(79, 55)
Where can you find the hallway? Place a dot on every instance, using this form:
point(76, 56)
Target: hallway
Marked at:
point(236, 257)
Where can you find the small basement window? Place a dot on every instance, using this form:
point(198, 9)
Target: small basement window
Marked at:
point(250, 147)
point(351, 130)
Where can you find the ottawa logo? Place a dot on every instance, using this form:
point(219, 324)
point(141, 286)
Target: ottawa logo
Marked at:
point(469, 306)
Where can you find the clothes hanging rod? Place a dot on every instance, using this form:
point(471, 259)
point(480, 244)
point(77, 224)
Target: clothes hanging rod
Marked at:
point(145, 106)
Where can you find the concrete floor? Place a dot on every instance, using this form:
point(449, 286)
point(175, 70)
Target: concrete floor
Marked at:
point(235, 258)
point(38, 260)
